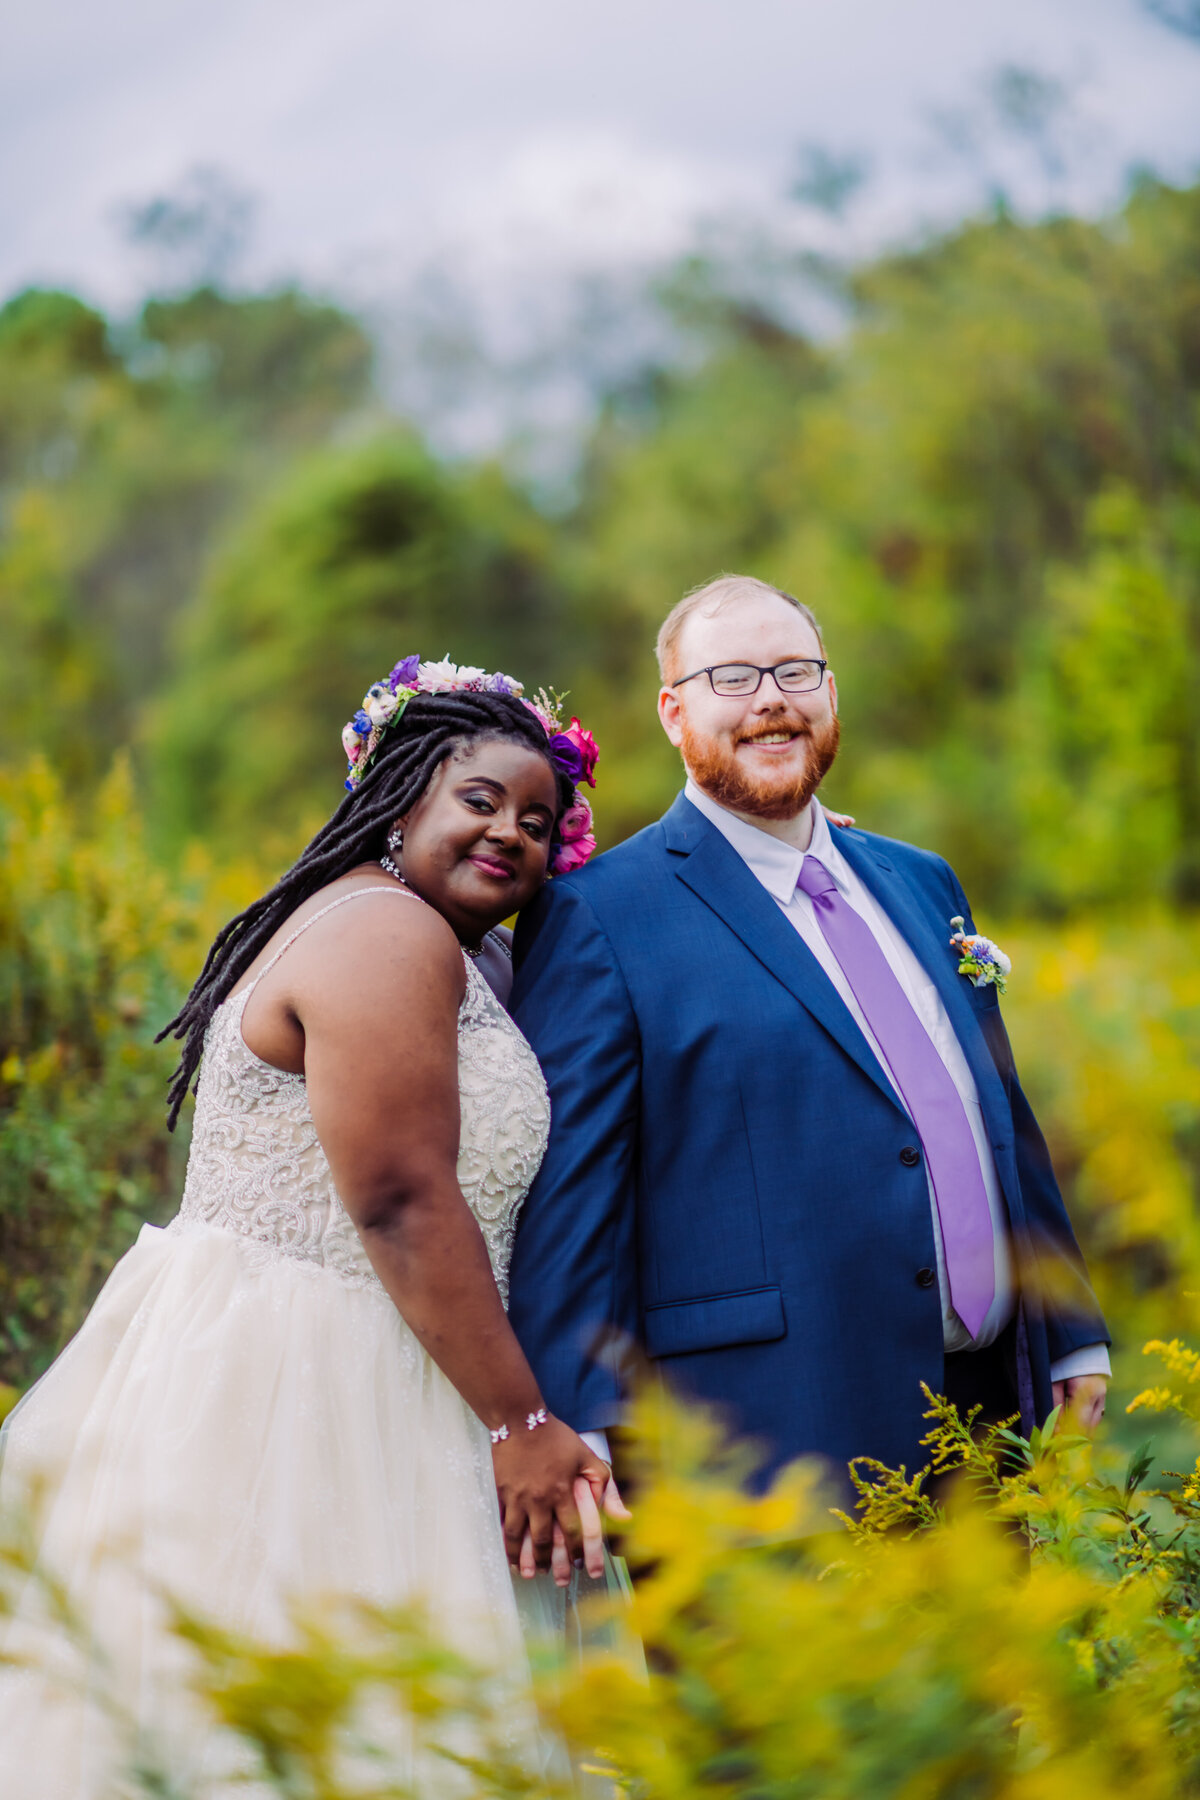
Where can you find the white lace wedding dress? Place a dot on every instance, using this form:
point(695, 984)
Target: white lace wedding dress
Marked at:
point(245, 1421)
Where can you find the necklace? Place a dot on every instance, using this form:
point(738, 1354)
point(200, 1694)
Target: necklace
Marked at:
point(389, 868)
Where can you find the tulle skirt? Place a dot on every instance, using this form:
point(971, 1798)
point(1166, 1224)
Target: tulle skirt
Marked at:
point(236, 1432)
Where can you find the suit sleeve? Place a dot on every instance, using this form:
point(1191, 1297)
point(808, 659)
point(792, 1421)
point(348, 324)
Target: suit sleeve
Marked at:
point(573, 1284)
point(1051, 1261)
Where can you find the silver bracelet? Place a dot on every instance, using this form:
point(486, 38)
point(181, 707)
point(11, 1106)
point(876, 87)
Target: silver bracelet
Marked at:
point(532, 1421)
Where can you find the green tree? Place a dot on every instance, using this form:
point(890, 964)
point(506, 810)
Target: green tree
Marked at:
point(122, 455)
point(362, 556)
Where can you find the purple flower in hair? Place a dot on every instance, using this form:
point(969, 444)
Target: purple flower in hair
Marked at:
point(361, 723)
point(567, 756)
point(504, 684)
point(405, 673)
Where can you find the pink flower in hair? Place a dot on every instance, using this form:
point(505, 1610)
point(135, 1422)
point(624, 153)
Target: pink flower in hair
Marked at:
point(576, 822)
point(573, 855)
point(585, 743)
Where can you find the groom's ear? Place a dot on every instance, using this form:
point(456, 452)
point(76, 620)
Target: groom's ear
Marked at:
point(670, 715)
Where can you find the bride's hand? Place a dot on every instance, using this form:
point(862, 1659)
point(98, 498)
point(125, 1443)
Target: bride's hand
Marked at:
point(538, 1474)
point(837, 818)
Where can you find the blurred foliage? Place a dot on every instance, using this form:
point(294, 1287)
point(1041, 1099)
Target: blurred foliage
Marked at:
point(1105, 1023)
point(97, 942)
point(923, 1653)
point(1028, 1631)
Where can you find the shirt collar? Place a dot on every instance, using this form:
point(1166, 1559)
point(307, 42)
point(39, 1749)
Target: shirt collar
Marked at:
point(776, 864)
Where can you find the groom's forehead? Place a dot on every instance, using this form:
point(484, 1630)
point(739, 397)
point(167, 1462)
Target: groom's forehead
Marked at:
point(757, 631)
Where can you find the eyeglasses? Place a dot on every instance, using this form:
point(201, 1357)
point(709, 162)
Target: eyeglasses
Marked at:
point(737, 681)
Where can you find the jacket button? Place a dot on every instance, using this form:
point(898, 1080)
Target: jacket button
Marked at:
point(910, 1156)
point(926, 1277)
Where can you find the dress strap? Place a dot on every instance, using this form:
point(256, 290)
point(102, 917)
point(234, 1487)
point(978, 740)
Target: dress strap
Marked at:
point(400, 893)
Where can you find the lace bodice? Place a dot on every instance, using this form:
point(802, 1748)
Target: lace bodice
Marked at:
point(257, 1167)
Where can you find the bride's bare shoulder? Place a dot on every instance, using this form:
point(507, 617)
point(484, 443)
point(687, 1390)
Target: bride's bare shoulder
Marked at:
point(367, 924)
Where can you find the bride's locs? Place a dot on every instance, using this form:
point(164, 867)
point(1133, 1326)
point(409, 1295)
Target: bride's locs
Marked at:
point(572, 748)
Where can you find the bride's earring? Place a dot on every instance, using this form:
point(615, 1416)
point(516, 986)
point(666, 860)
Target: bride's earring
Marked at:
point(395, 845)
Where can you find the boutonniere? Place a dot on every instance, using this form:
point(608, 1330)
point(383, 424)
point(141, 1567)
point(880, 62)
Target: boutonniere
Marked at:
point(981, 961)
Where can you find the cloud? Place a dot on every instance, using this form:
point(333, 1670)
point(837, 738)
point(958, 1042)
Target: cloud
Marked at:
point(378, 135)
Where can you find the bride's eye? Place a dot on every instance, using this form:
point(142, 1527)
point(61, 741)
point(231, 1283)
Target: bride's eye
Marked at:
point(537, 828)
point(480, 802)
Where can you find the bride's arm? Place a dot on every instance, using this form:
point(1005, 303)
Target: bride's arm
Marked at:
point(378, 1006)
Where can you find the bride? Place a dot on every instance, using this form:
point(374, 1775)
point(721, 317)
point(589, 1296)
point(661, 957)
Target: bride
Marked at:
point(306, 1385)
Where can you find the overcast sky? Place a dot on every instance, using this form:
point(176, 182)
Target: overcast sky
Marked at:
point(374, 134)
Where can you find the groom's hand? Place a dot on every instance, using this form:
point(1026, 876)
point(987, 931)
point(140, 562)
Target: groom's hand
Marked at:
point(614, 1506)
point(1082, 1399)
point(587, 1493)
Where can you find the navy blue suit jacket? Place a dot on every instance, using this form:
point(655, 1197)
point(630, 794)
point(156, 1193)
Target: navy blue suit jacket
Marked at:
point(725, 1181)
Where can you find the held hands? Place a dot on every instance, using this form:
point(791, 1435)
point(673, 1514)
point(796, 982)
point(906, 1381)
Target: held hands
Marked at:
point(1082, 1399)
point(550, 1486)
point(593, 1534)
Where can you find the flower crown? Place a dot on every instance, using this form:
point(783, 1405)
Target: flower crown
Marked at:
point(572, 749)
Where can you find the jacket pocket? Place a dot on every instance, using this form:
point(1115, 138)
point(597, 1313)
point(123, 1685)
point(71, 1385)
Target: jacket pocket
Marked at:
point(751, 1316)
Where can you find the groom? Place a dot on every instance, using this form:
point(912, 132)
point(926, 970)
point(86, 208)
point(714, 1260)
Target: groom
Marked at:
point(789, 1153)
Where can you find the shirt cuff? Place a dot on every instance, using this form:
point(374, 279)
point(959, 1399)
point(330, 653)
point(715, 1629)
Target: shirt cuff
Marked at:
point(597, 1442)
point(1089, 1359)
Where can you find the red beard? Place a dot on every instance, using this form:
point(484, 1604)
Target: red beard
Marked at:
point(716, 769)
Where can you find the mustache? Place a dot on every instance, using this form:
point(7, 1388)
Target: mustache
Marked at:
point(769, 728)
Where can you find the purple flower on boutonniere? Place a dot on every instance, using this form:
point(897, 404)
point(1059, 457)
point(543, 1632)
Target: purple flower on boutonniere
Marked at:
point(979, 959)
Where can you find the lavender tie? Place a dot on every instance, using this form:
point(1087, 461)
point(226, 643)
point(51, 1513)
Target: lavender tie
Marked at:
point(928, 1092)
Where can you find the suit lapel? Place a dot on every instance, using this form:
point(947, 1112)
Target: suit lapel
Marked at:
point(715, 872)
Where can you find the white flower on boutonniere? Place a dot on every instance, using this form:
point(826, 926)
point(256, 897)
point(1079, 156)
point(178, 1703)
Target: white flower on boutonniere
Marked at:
point(982, 962)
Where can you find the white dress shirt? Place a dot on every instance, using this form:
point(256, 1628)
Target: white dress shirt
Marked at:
point(777, 866)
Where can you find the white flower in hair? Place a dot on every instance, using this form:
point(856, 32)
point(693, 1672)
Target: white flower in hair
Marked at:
point(439, 677)
point(379, 703)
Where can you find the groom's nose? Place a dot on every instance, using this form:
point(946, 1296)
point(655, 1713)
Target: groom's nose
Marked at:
point(771, 699)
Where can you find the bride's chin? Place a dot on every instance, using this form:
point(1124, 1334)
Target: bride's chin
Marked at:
point(477, 914)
